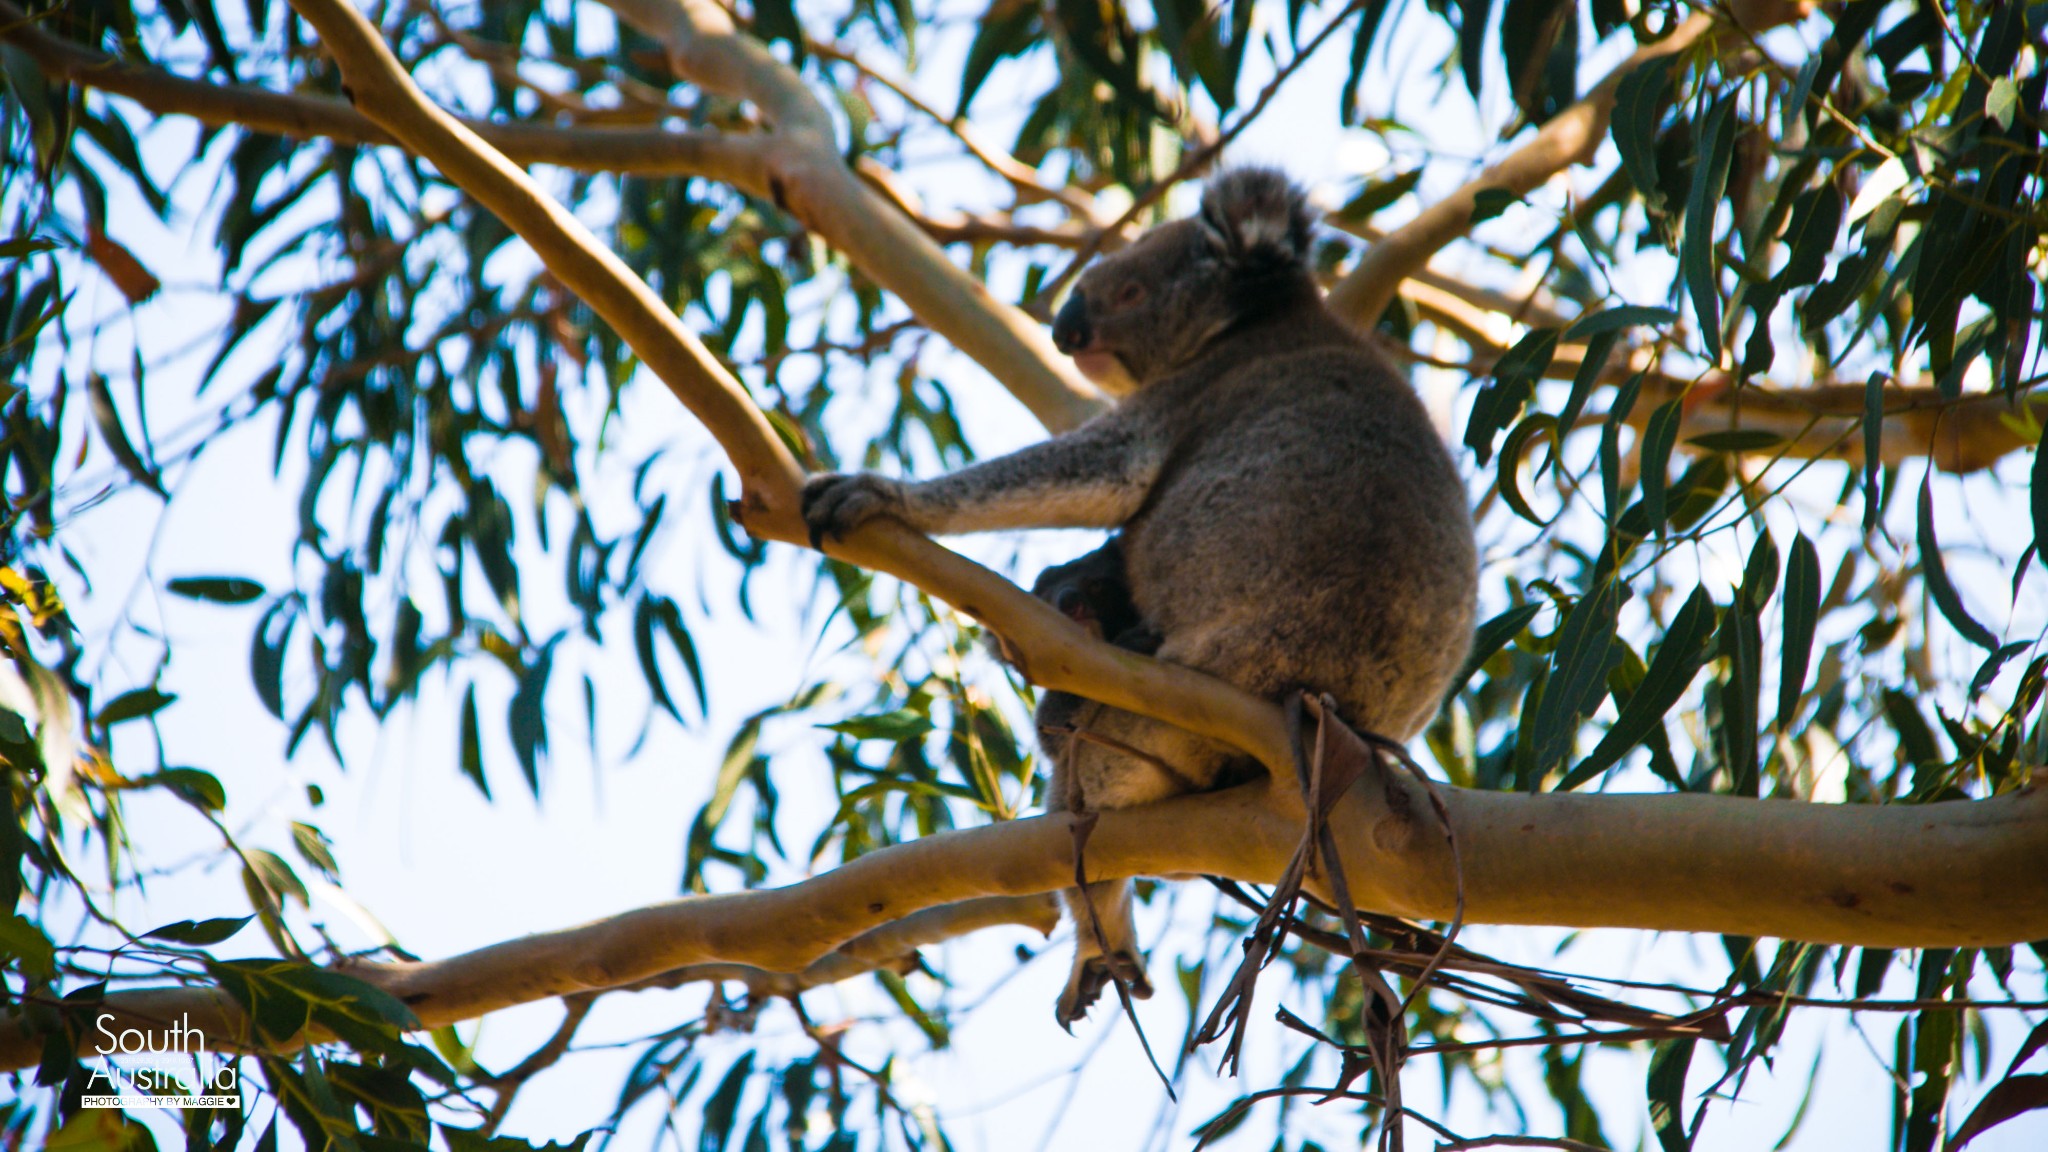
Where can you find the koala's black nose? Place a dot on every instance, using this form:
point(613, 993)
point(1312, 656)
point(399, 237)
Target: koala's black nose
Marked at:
point(1070, 331)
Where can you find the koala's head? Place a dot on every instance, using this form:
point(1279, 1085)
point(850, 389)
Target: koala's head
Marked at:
point(1140, 314)
point(1093, 591)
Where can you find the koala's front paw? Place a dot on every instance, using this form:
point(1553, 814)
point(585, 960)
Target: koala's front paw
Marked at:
point(837, 503)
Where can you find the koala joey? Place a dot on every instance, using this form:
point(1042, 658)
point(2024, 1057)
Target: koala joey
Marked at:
point(1094, 592)
point(1289, 519)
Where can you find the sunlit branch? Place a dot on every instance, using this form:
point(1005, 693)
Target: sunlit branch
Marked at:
point(1961, 874)
point(809, 178)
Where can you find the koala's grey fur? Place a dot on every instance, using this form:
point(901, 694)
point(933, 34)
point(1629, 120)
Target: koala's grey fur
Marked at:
point(1290, 519)
point(1094, 591)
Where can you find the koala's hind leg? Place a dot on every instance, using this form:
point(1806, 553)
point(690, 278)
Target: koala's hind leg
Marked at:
point(1102, 917)
point(1109, 758)
point(1105, 940)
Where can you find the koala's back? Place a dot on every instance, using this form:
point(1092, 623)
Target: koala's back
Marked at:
point(1310, 530)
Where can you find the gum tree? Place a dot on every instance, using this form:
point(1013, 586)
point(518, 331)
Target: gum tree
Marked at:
point(1738, 321)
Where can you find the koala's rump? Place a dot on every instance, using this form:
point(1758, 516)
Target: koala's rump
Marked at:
point(1315, 535)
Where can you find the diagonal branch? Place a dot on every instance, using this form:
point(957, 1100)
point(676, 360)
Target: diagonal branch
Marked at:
point(809, 179)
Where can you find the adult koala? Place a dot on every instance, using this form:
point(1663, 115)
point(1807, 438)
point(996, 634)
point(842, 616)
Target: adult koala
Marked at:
point(1289, 518)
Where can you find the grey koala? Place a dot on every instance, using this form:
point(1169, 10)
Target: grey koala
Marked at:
point(1289, 518)
point(1094, 592)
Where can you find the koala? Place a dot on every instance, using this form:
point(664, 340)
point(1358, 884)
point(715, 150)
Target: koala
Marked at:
point(1288, 518)
point(1094, 592)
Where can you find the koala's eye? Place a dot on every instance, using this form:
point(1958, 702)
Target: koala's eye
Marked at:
point(1130, 294)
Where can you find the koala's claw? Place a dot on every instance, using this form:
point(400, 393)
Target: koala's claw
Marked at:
point(836, 503)
point(1090, 976)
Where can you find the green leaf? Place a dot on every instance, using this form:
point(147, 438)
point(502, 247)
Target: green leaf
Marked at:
point(1696, 262)
point(266, 654)
point(2013, 1096)
point(195, 785)
point(1223, 1123)
point(679, 637)
point(898, 726)
point(1378, 194)
point(1490, 202)
point(1638, 99)
point(1933, 1070)
point(1490, 638)
point(526, 716)
point(132, 706)
point(1004, 31)
point(2038, 499)
point(1873, 447)
point(314, 847)
point(1508, 478)
point(1599, 350)
point(1935, 572)
point(1666, 1091)
point(1677, 660)
point(27, 949)
point(20, 246)
point(936, 1031)
point(1760, 574)
point(200, 932)
point(650, 663)
point(279, 1011)
point(1658, 437)
point(277, 876)
point(108, 420)
point(1579, 665)
point(473, 744)
point(1801, 608)
point(1816, 219)
point(1741, 644)
point(1611, 491)
point(1515, 376)
point(1618, 319)
point(2003, 98)
point(722, 1106)
point(1988, 670)
point(218, 589)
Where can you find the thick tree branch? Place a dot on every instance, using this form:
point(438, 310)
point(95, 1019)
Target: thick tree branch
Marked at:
point(1961, 874)
point(1960, 434)
point(893, 946)
point(810, 180)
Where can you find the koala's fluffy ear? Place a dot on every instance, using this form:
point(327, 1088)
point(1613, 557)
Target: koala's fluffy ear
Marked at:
point(1256, 216)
